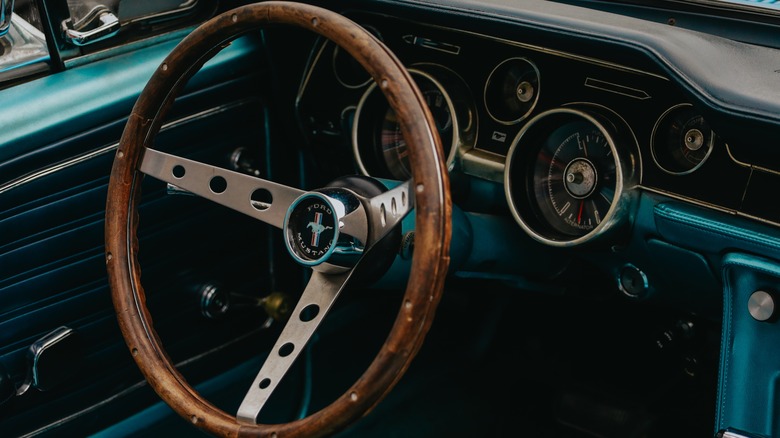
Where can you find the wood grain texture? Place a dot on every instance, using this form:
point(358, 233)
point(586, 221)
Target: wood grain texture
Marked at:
point(433, 210)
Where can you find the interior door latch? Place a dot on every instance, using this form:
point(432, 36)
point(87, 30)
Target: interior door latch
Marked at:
point(100, 23)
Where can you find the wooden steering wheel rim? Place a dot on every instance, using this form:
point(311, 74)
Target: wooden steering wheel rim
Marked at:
point(432, 210)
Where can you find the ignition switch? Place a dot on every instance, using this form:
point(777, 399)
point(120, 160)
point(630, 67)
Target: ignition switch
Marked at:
point(216, 302)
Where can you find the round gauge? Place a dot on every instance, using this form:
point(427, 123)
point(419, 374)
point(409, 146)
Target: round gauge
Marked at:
point(394, 149)
point(347, 70)
point(380, 149)
point(512, 90)
point(565, 176)
point(682, 140)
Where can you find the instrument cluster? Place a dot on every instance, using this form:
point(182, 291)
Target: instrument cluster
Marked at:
point(572, 138)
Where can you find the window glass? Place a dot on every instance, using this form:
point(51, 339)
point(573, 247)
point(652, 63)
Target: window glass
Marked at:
point(81, 23)
point(28, 11)
point(134, 10)
point(88, 15)
point(23, 49)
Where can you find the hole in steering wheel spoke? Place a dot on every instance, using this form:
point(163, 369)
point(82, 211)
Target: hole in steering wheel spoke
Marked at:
point(218, 184)
point(309, 312)
point(261, 199)
point(286, 349)
point(265, 383)
point(178, 171)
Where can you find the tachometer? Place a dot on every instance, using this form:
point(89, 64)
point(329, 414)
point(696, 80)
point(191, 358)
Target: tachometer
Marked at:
point(566, 175)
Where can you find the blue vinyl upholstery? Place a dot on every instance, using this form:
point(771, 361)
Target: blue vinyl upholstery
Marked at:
point(750, 362)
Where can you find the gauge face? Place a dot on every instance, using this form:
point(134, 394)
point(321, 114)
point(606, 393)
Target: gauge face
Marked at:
point(378, 143)
point(682, 140)
point(574, 178)
point(564, 178)
point(512, 90)
point(394, 149)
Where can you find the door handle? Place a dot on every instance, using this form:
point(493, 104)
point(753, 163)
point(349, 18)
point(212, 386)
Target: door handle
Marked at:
point(108, 27)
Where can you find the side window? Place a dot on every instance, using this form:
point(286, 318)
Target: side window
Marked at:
point(23, 49)
point(91, 21)
point(82, 27)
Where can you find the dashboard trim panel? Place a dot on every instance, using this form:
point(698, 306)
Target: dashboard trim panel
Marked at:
point(106, 149)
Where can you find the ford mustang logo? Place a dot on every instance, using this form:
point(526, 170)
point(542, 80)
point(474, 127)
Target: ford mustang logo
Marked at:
point(311, 229)
point(317, 228)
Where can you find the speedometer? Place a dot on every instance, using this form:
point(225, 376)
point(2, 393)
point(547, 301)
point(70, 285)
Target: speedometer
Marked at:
point(566, 176)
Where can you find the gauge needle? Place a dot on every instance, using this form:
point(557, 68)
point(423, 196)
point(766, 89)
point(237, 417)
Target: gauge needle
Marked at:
point(583, 145)
point(579, 215)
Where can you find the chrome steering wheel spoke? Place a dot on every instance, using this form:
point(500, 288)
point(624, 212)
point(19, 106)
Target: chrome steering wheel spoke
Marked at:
point(314, 304)
point(388, 209)
point(261, 199)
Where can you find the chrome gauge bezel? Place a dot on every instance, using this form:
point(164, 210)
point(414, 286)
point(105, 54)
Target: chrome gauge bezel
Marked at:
point(654, 146)
point(458, 102)
point(622, 146)
point(336, 64)
point(487, 99)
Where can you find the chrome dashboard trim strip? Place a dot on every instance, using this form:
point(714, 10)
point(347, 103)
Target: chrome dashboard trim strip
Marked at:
point(611, 87)
point(707, 205)
point(483, 164)
point(689, 200)
point(572, 56)
point(535, 48)
point(741, 163)
point(749, 165)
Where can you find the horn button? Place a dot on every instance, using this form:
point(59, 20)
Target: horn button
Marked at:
point(314, 230)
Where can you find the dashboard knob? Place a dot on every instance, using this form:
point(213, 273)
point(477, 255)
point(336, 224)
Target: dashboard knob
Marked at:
point(633, 282)
point(761, 305)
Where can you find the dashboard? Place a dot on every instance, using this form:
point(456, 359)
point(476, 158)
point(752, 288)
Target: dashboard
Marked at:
point(592, 153)
point(625, 156)
point(527, 116)
point(598, 136)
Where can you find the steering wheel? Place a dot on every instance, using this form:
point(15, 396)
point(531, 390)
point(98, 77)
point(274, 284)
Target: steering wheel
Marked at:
point(327, 218)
